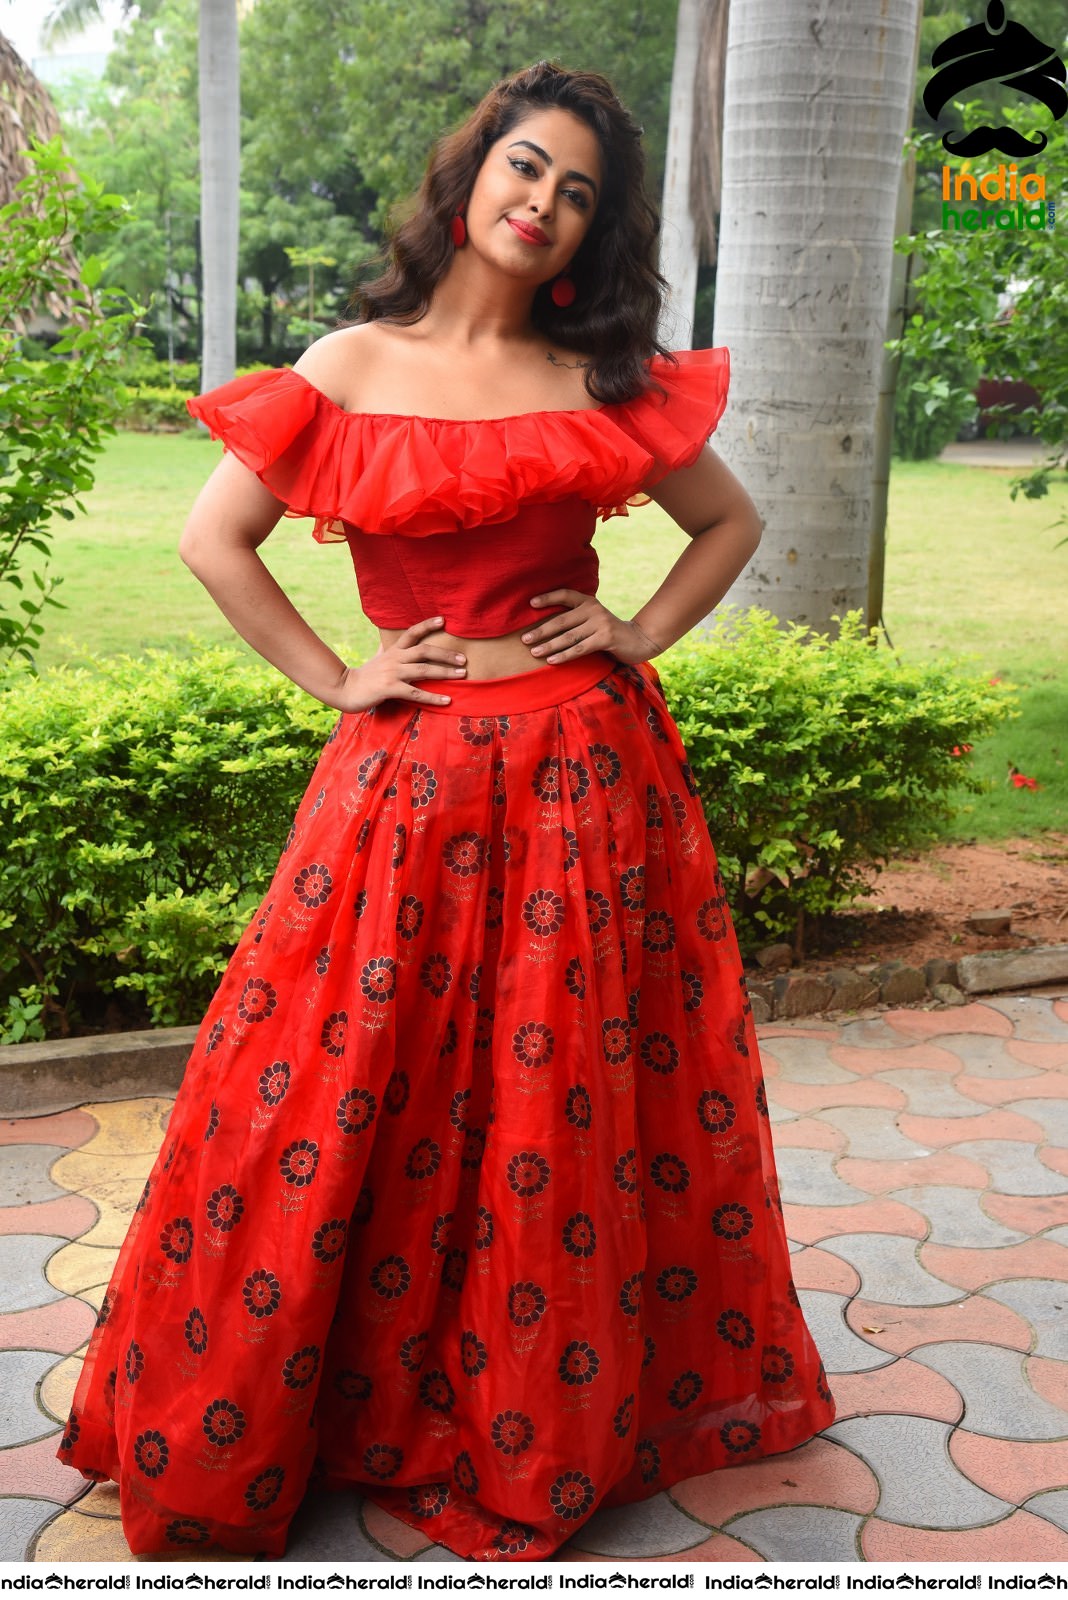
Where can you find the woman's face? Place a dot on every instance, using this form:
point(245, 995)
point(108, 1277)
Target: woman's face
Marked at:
point(535, 195)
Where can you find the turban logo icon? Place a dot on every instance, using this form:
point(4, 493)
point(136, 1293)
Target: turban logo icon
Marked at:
point(996, 51)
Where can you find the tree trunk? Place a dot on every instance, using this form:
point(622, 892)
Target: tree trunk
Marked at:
point(818, 99)
point(887, 403)
point(220, 164)
point(678, 238)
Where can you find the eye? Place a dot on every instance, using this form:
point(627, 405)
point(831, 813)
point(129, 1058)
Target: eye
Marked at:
point(579, 197)
point(522, 166)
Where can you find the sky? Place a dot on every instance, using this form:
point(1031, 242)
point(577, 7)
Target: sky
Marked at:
point(20, 20)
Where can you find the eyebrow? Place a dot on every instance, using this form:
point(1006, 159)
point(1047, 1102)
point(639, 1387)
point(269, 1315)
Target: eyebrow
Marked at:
point(538, 151)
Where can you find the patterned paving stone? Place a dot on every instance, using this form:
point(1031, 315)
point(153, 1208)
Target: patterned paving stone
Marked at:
point(1051, 1116)
point(100, 1500)
point(1015, 1470)
point(814, 1268)
point(69, 1128)
point(1056, 1160)
point(66, 1218)
point(438, 1552)
point(1044, 1304)
point(939, 1496)
point(972, 1018)
point(904, 1328)
point(1030, 1213)
point(997, 1399)
point(956, 1216)
point(904, 1387)
point(897, 1056)
point(58, 1328)
point(809, 1133)
point(806, 1177)
point(810, 1224)
point(129, 1127)
point(1049, 1380)
point(19, 1521)
point(1018, 1537)
point(1050, 1057)
point(800, 1533)
point(869, 1033)
point(1053, 1505)
point(652, 1527)
point(1058, 1235)
point(389, 1533)
point(26, 1169)
point(842, 1350)
point(982, 1056)
point(1032, 1016)
point(882, 1177)
point(819, 1473)
point(872, 1133)
point(975, 1269)
point(931, 1093)
point(327, 1528)
point(1013, 1167)
point(989, 1127)
point(74, 1538)
point(807, 1097)
point(890, 1272)
point(22, 1277)
point(32, 1469)
point(20, 1419)
point(80, 1266)
point(57, 1387)
point(1003, 1091)
point(805, 1061)
point(720, 1547)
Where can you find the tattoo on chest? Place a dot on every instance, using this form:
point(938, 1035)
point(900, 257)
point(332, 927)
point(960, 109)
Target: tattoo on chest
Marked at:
point(556, 362)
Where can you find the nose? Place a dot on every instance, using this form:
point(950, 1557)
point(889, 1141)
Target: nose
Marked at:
point(541, 203)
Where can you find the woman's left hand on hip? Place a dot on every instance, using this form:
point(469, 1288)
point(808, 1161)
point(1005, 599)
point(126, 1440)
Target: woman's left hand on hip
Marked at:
point(584, 627)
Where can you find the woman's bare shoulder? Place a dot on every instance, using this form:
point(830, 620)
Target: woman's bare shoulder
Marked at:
point(332, 361)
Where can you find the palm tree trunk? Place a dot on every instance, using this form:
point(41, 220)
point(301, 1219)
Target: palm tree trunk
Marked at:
point(220, 165)
point(678, 238)
point(818, 99)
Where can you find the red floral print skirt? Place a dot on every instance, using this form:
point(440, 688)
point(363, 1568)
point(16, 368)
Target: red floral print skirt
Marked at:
point(468, 1198)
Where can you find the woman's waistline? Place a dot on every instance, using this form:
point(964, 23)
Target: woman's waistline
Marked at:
point(524, 691)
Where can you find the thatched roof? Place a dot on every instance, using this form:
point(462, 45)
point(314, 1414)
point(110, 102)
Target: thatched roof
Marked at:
point(26, 112)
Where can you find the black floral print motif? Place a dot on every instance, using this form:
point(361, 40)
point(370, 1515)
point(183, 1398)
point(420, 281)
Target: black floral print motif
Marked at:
point(579, 1235)
point(823, 1388)
point(650, 1351)
point(391, 1277)
point(410, 914)
point(659, 1052)
point(571, 1495)
point(625, 1172)
point(670, 1173)
point(223, 1422)
point(624, 1417)
point(412, 1352)
point(740, 1436)
point(356, 1110)
point(685, 1389)
point(658, 934)
point(512, 1432)
point(383, 1461)
point(458, 1109)
point(259, 1000)
point(474, 1148)
point(578, 1107)
point(328, 1241)
point(313, 885)
point(473, 1354)
point(528, 1173)
point(483, 1229)
point(70, 1433)
point(397, 1092)
point(428, 1499)
point(262, 1294)
point(579, 1363)
point(615, 1040)
point(176, 1240)
point(606, 764)
point(776, 1364)
point(526, 1304)
point(353, 1385)
point(196, 1331)
point(465, 854)
point(735, 1328)
point(716, 1112)
point(265, 1488)
point(187, 1531)
point(632, 888)
point(216, 1034)
point(464, 1475)
point(299, 1369)
point(322, 961)
point(334, 1032)
point(299, 1161)
point(533, 1044)
point(598, 910)
point(274, 1084)
point(436, 974)
point(543, 912)
point(378, 980)
point(732, 1221)
point(423, 1160)
point(648, 1458)
point(135, 1362)
point(676, 1283)
point(575, 979)
point(151, 1453)
point(454, 1270)
point(436, 1392)
point(440, 1233)
point(225, 1208)
point(630, 1296)
point(209, 1132)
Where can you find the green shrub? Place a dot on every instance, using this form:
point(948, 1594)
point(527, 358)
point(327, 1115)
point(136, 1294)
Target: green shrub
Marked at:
point(143, 805)
point(144, 801)
point(156, 410)
point(817, 759)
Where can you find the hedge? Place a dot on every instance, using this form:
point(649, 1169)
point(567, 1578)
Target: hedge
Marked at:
point(143, 801)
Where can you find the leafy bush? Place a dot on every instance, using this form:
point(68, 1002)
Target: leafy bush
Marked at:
point(817, 759)
point(144, 802)
point(143, 805)
point(55, 411)
point(157, 410)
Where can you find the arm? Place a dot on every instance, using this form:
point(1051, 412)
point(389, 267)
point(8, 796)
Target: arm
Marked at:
point(231, 517)
point(709, 503)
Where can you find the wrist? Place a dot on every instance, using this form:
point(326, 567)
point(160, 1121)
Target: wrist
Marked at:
point(657, 649)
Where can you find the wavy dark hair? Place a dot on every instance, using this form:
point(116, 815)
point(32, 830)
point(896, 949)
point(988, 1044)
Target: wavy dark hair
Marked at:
point(615, 315)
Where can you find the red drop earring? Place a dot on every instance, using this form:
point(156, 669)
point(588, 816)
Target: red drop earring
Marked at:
point(458, 227)
point(563, 290)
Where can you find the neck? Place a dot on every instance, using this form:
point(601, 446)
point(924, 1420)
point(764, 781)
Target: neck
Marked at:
point(475, 303)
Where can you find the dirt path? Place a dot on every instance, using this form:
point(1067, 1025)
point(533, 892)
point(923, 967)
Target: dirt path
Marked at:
point(919, 906)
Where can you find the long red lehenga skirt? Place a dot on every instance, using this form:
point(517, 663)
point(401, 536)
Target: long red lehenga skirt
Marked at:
point(467, 1199)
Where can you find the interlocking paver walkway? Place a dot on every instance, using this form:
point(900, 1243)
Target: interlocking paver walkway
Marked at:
point(924, 1168)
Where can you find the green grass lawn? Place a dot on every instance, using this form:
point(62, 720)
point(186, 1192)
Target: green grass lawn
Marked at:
point(969, 573)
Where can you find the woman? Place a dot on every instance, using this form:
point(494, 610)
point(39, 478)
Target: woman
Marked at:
point(468, 1197)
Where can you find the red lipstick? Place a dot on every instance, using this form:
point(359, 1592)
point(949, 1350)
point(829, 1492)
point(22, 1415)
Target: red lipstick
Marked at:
point(528, 232)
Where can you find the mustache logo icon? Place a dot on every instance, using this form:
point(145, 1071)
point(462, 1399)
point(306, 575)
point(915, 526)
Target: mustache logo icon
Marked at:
point(996, 51)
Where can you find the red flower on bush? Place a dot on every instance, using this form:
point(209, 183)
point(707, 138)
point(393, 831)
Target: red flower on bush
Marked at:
point(1019, 781)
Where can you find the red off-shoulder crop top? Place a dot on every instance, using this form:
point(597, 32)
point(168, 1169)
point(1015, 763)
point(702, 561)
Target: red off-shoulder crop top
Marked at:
point(466, 520)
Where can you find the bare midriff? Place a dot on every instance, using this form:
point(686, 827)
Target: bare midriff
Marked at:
point(498, 657)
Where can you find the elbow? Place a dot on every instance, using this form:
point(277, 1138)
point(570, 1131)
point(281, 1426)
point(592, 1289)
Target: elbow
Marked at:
point(192, 547)
point(754, 529)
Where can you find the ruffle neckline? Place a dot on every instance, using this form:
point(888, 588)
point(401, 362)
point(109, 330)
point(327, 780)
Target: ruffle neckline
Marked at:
point(382, 472)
